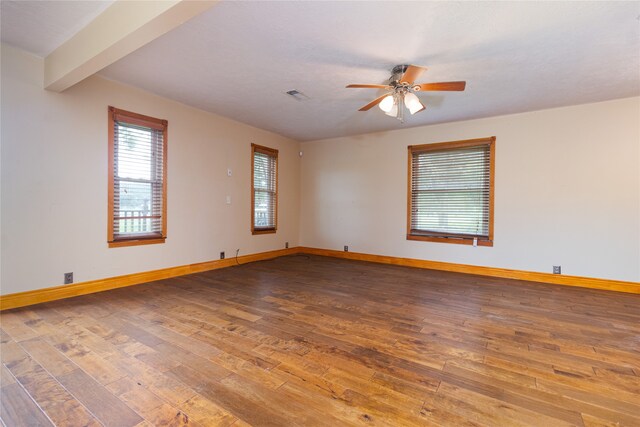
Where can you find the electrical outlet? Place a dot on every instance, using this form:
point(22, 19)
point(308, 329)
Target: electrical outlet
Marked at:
point(221, 255)
point(286, 245)
point(68, 278)
point(346, 248)
point(557, 269)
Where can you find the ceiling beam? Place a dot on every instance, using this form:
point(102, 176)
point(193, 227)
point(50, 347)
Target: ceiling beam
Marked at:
point(121, 29)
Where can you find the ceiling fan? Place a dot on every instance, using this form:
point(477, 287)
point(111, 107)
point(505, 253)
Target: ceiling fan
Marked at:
point(402, 91)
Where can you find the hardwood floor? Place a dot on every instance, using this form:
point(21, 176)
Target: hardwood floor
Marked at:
point(305, 340)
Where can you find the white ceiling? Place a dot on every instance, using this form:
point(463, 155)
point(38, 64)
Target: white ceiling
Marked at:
point(238, 58)
point(40, 27)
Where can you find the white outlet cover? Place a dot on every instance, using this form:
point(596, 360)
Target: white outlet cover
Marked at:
point(228, 200)
point(228, 172)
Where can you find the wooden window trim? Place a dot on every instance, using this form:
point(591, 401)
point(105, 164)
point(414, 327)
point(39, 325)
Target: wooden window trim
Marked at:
point(255, 148)
point(116, 114)
point(136, 242)
point(450, 237)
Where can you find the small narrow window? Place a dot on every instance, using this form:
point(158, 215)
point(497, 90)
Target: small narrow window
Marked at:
point(137, 179)
point(451, 192)
point(264, 189)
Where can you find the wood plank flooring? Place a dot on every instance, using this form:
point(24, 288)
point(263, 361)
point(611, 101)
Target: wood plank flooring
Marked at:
point(305, 340)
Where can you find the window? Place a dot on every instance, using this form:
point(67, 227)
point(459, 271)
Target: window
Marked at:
point(451, 192)
point(264, 189)
point(137, 179)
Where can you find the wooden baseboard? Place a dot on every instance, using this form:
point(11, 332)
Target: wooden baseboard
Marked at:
point(556, 279)
point(37, 296)
point(22, 299)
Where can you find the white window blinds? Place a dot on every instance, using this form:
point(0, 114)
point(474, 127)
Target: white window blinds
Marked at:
point(138, 177)
point(451, 190)
point(265, 189)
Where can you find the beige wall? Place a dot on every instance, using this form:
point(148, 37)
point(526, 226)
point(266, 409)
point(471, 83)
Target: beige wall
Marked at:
point(567, 191)
point(567, 186)
point(54, 181)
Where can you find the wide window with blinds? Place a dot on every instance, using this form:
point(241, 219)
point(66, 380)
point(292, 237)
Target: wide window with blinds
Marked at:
point(264, 189)
point(137, 179)
point(451, 192)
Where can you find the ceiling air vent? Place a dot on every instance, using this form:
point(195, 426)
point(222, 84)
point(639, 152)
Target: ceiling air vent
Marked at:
point(297, 95)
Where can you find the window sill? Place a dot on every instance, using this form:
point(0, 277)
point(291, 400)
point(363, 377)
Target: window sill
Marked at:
point(136, 242)
point(263, 231)
point(457, 241)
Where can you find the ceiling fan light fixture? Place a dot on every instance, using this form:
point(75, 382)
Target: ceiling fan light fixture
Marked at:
point(402, 89)
point(387, 103)
point(413, 103)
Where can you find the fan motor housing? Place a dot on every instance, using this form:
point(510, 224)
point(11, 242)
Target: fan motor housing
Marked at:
point(397, 72)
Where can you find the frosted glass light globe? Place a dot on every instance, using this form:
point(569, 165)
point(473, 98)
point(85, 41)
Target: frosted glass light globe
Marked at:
point(387, 103)
point(413, 103)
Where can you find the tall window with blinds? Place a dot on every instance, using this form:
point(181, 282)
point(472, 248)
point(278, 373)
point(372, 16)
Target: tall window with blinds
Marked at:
point(451, 187)
point(137, 179)
point(264, 189)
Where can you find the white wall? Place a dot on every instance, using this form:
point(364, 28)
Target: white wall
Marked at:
point(567, 191)
point(54, 182)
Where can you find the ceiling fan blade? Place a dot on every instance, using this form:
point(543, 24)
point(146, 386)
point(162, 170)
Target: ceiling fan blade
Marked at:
point(412, 73)
point(443, 86)
point(369, 86)
point(374, 102)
